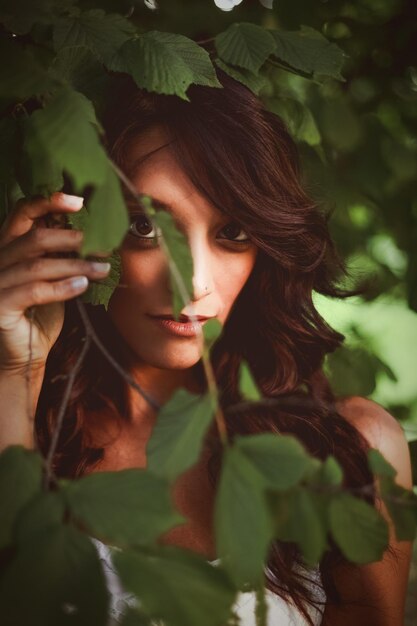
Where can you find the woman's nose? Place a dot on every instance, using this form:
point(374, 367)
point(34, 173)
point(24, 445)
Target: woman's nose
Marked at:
point(203, 283)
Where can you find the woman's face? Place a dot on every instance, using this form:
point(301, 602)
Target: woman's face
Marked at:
point(221, 264)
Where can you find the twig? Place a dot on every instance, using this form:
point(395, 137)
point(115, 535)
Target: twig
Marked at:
point(93, 336)
point(63, 407)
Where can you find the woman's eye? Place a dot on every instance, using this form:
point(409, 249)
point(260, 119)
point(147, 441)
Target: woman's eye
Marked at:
point(141, 226)
point(232, 230)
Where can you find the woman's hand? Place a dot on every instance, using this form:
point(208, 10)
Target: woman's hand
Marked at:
point(29, 279)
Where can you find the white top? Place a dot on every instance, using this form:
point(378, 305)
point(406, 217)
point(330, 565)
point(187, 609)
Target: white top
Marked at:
point(280, 612)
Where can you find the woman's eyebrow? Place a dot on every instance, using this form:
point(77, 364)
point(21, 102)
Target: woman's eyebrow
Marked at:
point(156, 203)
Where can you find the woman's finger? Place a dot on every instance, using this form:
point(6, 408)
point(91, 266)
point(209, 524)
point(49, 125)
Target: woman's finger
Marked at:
point(40, 269)
point(15, 300)
point(38, 242)
point(26, 212)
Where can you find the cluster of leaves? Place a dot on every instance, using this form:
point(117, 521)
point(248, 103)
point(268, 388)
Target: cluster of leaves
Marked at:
point(270, 488)
point(52, 90)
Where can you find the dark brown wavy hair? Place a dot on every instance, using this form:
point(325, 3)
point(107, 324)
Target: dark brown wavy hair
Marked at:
point(242, 159)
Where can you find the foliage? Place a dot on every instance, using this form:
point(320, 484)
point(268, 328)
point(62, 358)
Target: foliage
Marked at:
point(355, 138)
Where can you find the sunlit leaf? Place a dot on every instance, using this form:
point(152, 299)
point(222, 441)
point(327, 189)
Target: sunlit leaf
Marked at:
point(177, 436)
point(128, 507)
point(193, 591)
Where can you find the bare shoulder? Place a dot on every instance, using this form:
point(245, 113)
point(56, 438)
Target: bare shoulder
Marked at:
point(381, 430)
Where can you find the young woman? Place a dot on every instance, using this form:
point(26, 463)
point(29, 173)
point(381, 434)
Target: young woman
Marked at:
point(227, 171)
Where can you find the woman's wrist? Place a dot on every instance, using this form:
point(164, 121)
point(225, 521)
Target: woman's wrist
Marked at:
point(19, 393)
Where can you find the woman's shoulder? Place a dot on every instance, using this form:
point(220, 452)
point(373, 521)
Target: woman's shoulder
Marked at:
point(382, 431)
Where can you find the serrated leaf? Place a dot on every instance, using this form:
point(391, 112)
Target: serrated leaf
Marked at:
point(243, 524)
point(309, 51)
point(280, 459)
point(177, 437)
point(102, 33)
point(67, 129)
point(62, 579)
point(108, 219)
point(130, 506)
point(299, 520)
point(254, 82)
point(358, 529)
point(245, 45)
point(247, 385)
point(194, 592)
point(20, 481)
point(180, 253)
point(166, 63)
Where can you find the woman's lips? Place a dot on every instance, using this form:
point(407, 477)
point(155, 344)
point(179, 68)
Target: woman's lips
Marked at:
point(180, 328)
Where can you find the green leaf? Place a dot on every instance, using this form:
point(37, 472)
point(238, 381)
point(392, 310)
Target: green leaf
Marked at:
point(20, 481)
point(193, 591)
point(212, 330)
point(243, 524)
point(358, 529)
point(177, 437)
point(379, 465)
point(101, 291)
point(21, 76)
point(67, 129)
point(245, 45)
point(308, 51)
point(102, 33)
point(132, 617)
point(352, 371)
point(280, 459)
point(402, 507)
point(299, 519)
point(108, 219)
point(247, 385)
point(38, 172)
point(179, 250)
point(62, 581)
point(44, 511)
point(166, 63)
point(329, 474)
point(130, 506)
point(254, 82)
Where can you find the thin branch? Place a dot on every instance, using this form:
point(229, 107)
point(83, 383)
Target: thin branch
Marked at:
point(63, 407)
point(93, 336)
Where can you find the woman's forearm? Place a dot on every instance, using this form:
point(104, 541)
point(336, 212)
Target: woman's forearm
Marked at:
point(18, 401)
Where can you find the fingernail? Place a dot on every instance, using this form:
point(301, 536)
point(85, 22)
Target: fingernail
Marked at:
point(100, 267)
point(73, 202)
point(80, 282)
